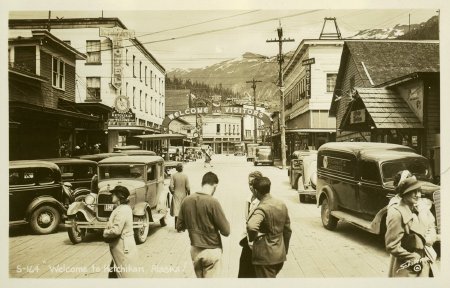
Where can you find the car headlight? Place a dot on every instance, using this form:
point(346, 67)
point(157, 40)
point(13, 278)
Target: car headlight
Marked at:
point(89, 199)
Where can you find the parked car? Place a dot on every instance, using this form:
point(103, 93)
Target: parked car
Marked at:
point(296, 167)
point(169, 168)
point(137, 152)
point(355, 181)
point(144, 178)
point(239, 149)
point(126, 147)
point(36, 195)
point(100, 156)
point(251, 152)
point(264, 155)
point(307, 180)
point(77, 172)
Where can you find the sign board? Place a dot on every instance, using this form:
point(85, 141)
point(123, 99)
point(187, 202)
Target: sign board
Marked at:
point(116, 35)
point(358, 116)
point(308, 61)
point(117, 118)
point(188, 127)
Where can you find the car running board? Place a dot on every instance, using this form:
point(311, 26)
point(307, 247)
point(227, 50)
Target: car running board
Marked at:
point(369, 226)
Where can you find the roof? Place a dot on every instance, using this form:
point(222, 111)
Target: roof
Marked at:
point(138, 152)
point(161, 136)
point(131, 159)
point(100, 156)
point(387, 109)
point(383, 155)
point(69, 161)
point(356, 148)
point(177, 99)
point(380, 61)
point(32, 163)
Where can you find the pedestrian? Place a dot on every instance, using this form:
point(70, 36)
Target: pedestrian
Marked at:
point(208, 155)
point(119, 234)
point(202, 215)
point(179, 188)
point(77, 151)
point(96, 149)
point(411, 232)
point(246, 269)
point(269, 228)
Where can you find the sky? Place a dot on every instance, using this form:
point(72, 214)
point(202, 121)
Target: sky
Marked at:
point(226, 34)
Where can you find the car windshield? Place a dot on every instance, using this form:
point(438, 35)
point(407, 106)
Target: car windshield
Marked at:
point(127, 171)
point(417, 166)
point(264, 151)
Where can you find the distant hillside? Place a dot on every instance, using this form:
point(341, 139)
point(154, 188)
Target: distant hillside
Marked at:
point(426, 31)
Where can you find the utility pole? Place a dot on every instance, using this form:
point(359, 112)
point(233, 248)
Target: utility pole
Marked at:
point(254, 106)
point(280, 41)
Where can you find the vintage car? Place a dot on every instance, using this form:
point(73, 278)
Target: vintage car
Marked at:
point(251, 151)
point(144, 178)
point(307, 181)
point(36, 195)
point(296, 167)
point(263, 155)
point(239, 149)
point(77, 172)
point(100, 156)
point(355, 181)
point(126, 147)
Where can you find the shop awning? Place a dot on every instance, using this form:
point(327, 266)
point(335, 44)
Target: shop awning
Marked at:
point(160, 136)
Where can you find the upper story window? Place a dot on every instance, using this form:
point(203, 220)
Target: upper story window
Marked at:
point(140, 70)
point(145, 75)
point(134, 97)
point(146, 100)
point(126, 57)
point(140, 100)
point(93, 51)
point(58, 73)
point(151, 79)
point(155, 85)
point(93, 88)
point(218, 129)
point(126, 89)
point(134, 60)
point(331, 81)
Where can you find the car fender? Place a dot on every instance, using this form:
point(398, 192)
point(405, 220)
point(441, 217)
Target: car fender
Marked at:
point(45, 200)
point(80, 191)
point(81, 207)
point(328, 192)
point(139, 209)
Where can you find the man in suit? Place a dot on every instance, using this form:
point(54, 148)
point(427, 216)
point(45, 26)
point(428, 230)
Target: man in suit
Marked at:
point(269, 229)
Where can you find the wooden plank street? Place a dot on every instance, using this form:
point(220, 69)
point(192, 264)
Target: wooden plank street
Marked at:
point(314, 251)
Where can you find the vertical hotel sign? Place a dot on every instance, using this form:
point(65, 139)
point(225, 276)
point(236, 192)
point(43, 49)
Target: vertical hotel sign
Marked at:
point(308, 63)
point(116, 35)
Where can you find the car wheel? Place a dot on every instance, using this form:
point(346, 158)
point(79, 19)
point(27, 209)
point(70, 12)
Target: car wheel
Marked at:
point(76, 234)
point(302, 198)
point(45, 219)
point(328, 220)
point(140, 234)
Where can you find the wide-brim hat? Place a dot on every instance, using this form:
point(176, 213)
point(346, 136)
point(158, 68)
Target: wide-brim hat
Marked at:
point(120, 192)
point(409, 185)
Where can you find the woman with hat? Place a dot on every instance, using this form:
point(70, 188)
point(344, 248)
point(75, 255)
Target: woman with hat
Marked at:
point(119, 234)
point(408, 235)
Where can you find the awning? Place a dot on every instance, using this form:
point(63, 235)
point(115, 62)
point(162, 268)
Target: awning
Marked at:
point(160, 136)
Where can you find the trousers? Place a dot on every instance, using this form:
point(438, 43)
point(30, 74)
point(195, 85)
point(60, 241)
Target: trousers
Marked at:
point(246, 269)
point(206, 261)
point(268, 271)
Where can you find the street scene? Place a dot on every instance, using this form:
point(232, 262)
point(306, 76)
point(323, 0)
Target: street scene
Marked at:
point(145, 146)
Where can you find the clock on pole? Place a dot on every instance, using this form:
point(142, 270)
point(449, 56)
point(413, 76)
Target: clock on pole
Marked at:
point(122, 104)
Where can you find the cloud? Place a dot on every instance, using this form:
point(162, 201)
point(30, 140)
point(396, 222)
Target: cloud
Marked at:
point(219, 50)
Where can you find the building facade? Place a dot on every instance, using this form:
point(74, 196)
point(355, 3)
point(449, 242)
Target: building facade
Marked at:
point(44, 120)
point(116, 64)
point(388, 91)
point(248, 127)
point(310, 77)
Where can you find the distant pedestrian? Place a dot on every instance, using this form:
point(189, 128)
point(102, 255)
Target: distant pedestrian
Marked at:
point(208, 156)
point(203, 217)
point(76, 151)
point(410, 232)
point(96, 149)
point(179, 188)
point(269, 228)
point(119, 234)
point(246, 269)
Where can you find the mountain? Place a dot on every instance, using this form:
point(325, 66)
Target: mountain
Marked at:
point(426, 31)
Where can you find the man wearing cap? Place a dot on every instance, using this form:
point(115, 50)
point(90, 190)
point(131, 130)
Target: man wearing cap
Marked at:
point(408, 235)
point(203, 217)
point(179, 188)
point(119, 234)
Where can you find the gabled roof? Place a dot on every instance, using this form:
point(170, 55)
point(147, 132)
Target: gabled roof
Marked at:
point(379, 61)
point(387, 109)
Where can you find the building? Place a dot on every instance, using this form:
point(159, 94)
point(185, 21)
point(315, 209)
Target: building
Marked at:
point(310, 77)
point(117, 67)
point(388, 91)
point(248, 126)
point(44, 120)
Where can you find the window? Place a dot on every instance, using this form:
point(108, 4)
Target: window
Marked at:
point(155, 85)
point(93, 51)
point(134, 60)
point(218, 129)
point(126, 89)
point(151, 79)
point(151, 105)
point(238, 131)
point(140, 100)
point(140, 70)
point(145, 75)
point(248, 133)
point(151, 173)
point(146, 100)
point(93, 88)
point(58, 73)
point(234, 128)
point(369, 171)
point(126, 57)
point(331, 81)
point(134, 96)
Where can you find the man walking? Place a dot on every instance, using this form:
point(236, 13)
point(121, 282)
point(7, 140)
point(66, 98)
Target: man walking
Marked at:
point(203, 217)
point(269, 229)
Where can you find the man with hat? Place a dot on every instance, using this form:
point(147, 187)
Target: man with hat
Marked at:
point(119, 234)
point(408, 234)
point(179, 188)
